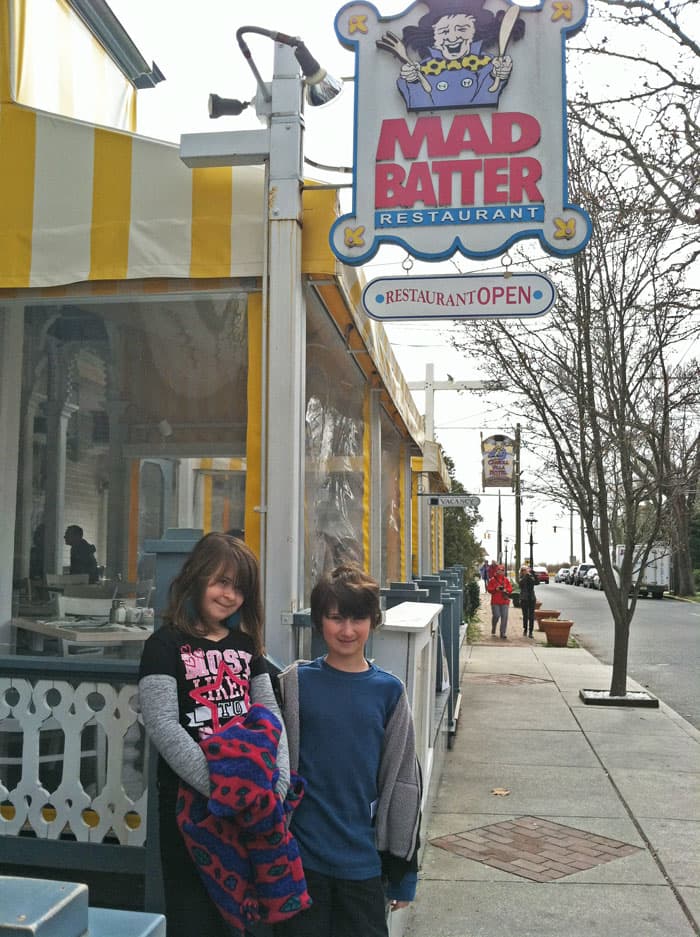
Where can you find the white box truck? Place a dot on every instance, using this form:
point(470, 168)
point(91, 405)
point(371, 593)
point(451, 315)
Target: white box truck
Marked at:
point(656, 576)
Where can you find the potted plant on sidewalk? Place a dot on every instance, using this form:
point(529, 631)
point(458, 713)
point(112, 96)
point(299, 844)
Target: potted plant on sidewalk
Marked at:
point(541, 613)
point(557, 630)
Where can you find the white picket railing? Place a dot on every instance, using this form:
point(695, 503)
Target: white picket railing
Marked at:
point(72, 761)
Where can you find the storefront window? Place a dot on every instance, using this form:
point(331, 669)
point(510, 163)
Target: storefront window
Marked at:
point(133, 420)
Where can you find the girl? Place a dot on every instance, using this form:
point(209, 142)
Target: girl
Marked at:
point(198, 672)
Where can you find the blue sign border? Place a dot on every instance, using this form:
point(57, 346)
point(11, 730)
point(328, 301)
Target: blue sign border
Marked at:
point(457, 246)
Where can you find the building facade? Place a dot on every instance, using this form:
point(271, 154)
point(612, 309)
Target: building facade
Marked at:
point(135, 343)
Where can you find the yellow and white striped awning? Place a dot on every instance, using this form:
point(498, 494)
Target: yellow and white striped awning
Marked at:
point(83, 203)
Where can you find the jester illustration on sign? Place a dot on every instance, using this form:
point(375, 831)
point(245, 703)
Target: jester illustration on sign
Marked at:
point(444, 64)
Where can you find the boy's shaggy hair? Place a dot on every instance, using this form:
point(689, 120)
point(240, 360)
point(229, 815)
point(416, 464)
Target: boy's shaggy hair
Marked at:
point(348, 590)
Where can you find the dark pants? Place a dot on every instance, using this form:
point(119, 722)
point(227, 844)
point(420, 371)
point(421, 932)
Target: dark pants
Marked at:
point(341, 908)
point(527, 607)
point(189, 910)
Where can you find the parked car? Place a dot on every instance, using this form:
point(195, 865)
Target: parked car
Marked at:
point(542, 574)
point(581, 573)
point(597, 582)
point(589, 578)
point(562, 575)
point(572, 575)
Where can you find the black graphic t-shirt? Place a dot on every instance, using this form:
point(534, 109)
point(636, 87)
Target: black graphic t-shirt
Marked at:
point(213, 677)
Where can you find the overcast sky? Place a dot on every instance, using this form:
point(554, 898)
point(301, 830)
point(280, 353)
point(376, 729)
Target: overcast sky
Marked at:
point(194, 45)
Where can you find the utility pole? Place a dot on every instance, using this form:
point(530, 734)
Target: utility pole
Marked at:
point(429, 386)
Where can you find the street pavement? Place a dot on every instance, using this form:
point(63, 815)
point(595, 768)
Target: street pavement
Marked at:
point(556, 818)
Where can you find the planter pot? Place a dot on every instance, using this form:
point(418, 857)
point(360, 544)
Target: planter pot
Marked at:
point(541, 613)
point(557, 631)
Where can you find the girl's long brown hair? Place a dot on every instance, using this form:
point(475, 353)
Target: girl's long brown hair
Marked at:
point(216, 554)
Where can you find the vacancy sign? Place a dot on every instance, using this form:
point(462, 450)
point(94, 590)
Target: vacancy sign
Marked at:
point(488, 296)
point(460, 135)
point(455, 501)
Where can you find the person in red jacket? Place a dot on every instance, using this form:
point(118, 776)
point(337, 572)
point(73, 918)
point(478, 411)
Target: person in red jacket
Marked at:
point(500, 588)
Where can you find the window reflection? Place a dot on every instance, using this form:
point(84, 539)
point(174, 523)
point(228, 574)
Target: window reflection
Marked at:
point(133, 420)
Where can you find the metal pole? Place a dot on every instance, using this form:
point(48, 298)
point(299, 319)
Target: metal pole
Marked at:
point(518, 502)
point(286, 337)
point(499, 525)
point(425, 551)
point(531, 521)
point(572, 558)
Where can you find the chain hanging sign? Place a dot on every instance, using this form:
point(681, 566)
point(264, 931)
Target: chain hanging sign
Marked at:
point(459, 129)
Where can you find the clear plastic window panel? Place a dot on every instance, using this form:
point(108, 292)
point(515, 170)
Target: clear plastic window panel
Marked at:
point(334, 451)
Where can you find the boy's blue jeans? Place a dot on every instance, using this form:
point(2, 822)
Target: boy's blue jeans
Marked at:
point(341, 908)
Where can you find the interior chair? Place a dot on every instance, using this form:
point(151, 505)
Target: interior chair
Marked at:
point(140, 591)
point(84, 607)
point(96, 590)
point(76, 579)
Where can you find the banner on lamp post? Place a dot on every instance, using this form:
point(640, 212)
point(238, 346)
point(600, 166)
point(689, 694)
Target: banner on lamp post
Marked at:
point(459, 129)
point(497, 461)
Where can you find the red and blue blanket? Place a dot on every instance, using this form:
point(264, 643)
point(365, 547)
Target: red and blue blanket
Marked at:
point(239, 839)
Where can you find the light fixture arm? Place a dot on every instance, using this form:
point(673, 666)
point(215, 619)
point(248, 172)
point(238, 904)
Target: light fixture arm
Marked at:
point(308, 64)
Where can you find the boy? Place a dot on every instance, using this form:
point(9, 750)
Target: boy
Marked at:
point(350, 735)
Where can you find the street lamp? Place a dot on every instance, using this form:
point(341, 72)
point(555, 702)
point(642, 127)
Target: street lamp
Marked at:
point(506, 541)
point(531, 520)
point(279, 147)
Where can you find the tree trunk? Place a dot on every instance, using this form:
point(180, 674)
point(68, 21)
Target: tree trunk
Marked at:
point(680, 537)
point(618, 682)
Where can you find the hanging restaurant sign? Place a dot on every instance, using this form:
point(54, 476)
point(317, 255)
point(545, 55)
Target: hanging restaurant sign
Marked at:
point(459, 129)
point(488, 296)
point(497, 461)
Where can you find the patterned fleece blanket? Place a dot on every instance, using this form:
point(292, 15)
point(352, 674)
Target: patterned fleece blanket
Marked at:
point(239, 839)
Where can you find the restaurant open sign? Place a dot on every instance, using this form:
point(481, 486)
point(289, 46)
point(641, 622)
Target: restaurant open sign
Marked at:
point(460, 129)
point(481, 296)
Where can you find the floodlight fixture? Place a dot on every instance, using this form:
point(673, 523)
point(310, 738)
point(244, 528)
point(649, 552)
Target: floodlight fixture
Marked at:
point(321, 88)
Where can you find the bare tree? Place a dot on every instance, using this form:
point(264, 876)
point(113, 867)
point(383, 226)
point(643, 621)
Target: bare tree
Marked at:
point(599, 377)
point(648, 109)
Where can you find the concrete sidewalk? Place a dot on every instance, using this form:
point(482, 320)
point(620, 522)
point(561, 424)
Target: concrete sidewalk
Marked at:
point(555, 818)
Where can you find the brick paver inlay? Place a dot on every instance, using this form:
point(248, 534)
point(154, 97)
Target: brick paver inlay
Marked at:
point(505, 679)
point(533, 848)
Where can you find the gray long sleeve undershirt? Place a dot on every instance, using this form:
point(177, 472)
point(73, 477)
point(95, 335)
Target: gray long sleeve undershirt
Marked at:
point(158, 701)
